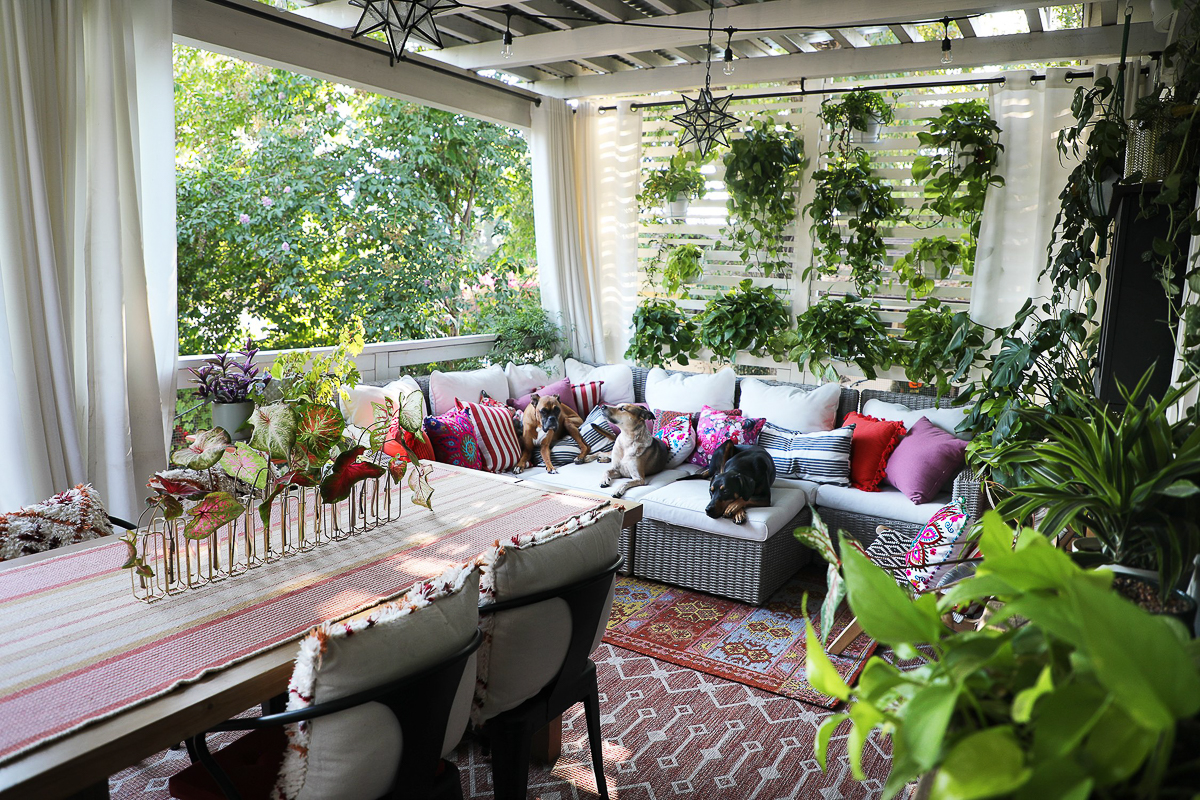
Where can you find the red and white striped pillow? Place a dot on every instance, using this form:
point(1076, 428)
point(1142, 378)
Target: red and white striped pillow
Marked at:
point(498, 440)
point(586, 396)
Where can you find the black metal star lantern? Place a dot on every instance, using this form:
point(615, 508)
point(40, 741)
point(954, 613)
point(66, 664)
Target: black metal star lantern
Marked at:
point(705, 119)
point(401, 19)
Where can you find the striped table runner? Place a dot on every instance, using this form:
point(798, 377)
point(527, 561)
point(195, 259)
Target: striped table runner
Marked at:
point(79, 647)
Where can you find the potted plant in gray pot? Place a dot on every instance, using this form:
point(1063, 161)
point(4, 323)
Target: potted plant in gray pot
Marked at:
point(228, 382)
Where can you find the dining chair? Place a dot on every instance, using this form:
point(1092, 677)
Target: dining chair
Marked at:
point(76, 515)
point(375, 703)
point(544, 607)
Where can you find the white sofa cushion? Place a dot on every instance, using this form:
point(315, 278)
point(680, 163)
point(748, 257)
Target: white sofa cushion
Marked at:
point(588, 477)
point(445, 387)
point(690, 393)
point(359, 409)
point(808, 487)
point(800, 410)
point(888, 503)
point(945, 418)
point(683, 504)
point(618, 380)
point(524, 378)
point(524, 648)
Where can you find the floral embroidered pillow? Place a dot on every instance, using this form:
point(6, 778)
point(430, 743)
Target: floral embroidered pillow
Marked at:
point(453, 438)
point(717, 426)
point(678, 435)
point(942, 539)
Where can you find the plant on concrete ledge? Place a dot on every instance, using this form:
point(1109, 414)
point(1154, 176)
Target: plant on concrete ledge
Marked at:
point(684, 265)
point(840, 330)
point(746, 318)
point(662, 334)
point(762, 169)
point(1091, 697)
point(681, 180)
point(941, 346)
point(524, 334)
point(857, 110)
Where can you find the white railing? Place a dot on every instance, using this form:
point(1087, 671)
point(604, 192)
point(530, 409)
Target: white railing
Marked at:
point(379, 361)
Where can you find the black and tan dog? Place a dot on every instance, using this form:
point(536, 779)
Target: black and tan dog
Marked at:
point(740, 477)
point(637, 454)
point(544, 422)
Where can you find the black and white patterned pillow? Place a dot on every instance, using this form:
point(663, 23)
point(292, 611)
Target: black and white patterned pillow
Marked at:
point(889, 550)
point(822, 457)
point(565, 450)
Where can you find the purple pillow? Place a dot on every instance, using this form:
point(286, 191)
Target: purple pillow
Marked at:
point(560, 388)
point(925, 461)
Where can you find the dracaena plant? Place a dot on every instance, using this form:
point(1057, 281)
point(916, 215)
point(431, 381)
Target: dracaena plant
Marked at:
point(1070, 691)
point(230, 377)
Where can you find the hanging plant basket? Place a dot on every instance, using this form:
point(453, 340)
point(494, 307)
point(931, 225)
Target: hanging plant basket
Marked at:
point(1143, 152)
point(870, 133)
point(677, 209)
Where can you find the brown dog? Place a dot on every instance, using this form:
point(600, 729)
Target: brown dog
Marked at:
point(545, 421)
point(637, 454)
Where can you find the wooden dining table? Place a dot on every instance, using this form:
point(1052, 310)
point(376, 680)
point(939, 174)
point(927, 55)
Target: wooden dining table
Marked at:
point(95, 680)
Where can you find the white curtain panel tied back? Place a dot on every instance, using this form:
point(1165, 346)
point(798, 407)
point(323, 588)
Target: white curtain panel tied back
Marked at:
point(87, 247)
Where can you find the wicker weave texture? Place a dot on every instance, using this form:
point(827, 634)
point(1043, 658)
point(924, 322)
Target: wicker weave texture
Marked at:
point(734, 568)
point(861, 526)
point(625, 544)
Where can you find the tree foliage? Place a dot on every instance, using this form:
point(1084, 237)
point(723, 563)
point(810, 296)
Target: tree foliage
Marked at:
point(303, 204)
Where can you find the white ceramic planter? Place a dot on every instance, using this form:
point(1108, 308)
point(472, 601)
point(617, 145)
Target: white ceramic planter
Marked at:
point(678, 208)
point(231, 417)
point(870, 135)
point(1101, 199)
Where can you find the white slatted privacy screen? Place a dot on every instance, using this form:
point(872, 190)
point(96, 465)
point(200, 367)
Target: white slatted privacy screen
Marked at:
point(892, 158)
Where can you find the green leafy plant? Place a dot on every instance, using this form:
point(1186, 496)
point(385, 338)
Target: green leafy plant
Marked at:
point(932, 258)
point(1092, 697)
point(762, 169)
point(854, 110)
point(847, 188)
point(941, 346)
point(1130, 477)
point(681, 180)
point(315, 378)
point(684, 265)
point(662, 334)
point(524, 334)
point(839, 329)
point(955, 176)
point(746, 318)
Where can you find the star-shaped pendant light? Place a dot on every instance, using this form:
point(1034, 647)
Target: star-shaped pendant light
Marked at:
point(400, 19)
point(705, 119)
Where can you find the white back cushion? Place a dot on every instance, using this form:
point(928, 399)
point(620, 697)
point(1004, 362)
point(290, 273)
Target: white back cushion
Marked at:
point(618, 380)
point(524, 648)
point(354, 753)
point(359, 410)
point(524, 378)
point(444, 387)
point(790, 407)
point(945, 418)
point(690, 393)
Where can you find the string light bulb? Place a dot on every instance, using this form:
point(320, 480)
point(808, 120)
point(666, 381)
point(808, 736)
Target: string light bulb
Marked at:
point(947, 54)
point(506, 43)
point(728, 68)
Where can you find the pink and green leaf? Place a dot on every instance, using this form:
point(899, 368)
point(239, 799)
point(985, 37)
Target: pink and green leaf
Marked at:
point(397, 467)
point(216, 510)
point(170, 506)
point(347, 471)
point(299, 477)
point(274, 429)
point(246, 464)
point(817, 537)
point(319, 427)
point(418, 479)
point(410, 411)
point(264, 508)
point(205, 450)
point(176, 487)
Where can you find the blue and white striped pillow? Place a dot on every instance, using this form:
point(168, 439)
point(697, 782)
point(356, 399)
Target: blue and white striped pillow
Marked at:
point(822, 457)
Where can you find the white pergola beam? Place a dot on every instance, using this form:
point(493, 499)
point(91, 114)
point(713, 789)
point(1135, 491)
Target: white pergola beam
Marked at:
point(1033, 16)
point(602, 40)
point(977, 52)
point(262, 34)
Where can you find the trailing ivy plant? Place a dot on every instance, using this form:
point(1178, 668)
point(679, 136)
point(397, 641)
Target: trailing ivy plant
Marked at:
point(681, 179)
point(854, 111)
point(848, 188)
point(837, 329)
point(683, 266)
point(746, 318)
point(762, 169)
point(932, 258)
point(941, 346)
point(662, 334)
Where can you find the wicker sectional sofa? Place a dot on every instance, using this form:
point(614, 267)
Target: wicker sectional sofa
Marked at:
point(677, 543)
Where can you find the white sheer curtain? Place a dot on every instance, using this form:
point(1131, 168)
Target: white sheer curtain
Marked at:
point(87, 256)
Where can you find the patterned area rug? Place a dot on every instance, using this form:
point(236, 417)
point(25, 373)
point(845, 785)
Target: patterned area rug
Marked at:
point(669, 732)
point(760, 647)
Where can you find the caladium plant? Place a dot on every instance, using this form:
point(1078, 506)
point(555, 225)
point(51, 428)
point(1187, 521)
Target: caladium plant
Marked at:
point(347, 471)
point(210, 514)
point(204, 451)
point(817, 537)
point(228, 379)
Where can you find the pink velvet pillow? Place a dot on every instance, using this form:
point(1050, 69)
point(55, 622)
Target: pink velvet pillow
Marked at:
point(560, 388)
point(925, 461)
point(717, 426)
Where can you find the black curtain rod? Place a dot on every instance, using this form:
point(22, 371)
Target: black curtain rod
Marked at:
point(285, 19)
point(802, 92)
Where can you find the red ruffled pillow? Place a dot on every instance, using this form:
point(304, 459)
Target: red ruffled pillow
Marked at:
point(421, 447)
point(871, 445)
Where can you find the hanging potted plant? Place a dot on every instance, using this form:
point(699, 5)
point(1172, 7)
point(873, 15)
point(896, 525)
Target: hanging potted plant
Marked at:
point(858, 116)
point(672, 188)
point(842, 330)
point(684, 266)
point(746, 318)
point(228, 384)
point(662, 334)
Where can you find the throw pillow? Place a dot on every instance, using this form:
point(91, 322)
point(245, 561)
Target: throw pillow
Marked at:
point(821, 457)
point(422, 447)
point(873, 443)
point(942, 539)
point(524, 378)
point(690, 393)
point(889, 550)
point(586, 396)
point(453, 437)
point(590, 431)
point(716, 426)
point(945, 418)
point(446, 387)
point(498, 442)
point(560, 388)
point(680, 438)
point(925, 461)
point(617, 378)
point(791, 407)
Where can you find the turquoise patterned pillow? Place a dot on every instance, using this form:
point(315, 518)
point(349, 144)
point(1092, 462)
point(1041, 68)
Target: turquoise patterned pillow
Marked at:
point(679, 436)
point(453, 438)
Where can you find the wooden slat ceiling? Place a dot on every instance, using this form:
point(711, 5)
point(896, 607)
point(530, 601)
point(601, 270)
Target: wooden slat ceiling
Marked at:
point(590, 40)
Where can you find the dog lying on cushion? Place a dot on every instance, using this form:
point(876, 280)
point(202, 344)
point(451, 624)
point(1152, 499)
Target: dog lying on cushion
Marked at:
point(740, 477)
point(637, 453)
point(544, 422)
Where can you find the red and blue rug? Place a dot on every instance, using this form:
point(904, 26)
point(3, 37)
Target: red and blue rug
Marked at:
point(759, 647)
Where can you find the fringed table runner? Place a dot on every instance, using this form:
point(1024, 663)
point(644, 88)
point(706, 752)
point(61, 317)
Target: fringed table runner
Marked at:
point(78, 647)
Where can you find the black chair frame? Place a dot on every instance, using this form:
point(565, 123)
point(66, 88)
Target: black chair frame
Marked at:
point(511, 732)
point(421, 703)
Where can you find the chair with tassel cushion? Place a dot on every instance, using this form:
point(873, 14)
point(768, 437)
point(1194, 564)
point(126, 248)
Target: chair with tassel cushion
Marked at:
point(70, 517)
point(375, 703)
point(544, 603)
